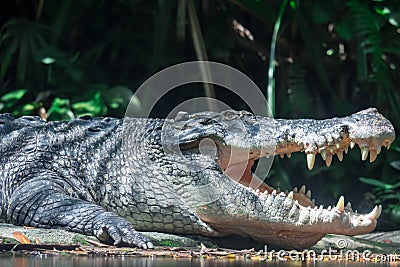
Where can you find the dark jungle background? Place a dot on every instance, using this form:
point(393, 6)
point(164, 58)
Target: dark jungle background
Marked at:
point(63, 59)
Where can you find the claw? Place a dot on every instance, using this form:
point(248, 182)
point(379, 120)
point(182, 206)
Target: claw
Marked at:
point(308, 194)
point(290, 195)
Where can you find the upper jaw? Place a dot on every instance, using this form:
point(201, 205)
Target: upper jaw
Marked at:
point(368, 129)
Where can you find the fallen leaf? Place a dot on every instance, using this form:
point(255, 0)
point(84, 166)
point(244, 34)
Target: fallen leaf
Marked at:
point(21, 238)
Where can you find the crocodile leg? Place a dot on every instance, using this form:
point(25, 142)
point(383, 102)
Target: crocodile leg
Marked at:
point(44, 204)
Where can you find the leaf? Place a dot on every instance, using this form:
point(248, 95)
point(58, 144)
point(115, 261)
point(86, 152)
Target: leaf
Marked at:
point(312, 49)
point(344, 29)
point(21, 238)
point(389, 197)
point(14, 95)
point(94, 107)
point(60, 110)
point(395, 164)
point(259, 9)
point(376, 183)
point(395, 213)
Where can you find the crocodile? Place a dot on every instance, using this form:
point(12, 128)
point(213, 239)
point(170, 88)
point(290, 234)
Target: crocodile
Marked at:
point(112, 178)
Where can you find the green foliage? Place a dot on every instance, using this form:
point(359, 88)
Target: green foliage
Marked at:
point(22, 40)
point(387, 193)
point(12, 102)
point(80, 239)
point(168, 243)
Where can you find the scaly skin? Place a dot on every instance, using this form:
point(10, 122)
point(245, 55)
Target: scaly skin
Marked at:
point(192, 175)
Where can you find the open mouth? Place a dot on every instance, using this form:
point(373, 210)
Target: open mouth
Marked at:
point(239, 166)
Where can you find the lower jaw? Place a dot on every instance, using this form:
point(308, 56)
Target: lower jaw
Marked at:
point(272, 236)
point(289, 240)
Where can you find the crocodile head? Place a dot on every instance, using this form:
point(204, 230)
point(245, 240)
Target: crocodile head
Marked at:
point(227, 144)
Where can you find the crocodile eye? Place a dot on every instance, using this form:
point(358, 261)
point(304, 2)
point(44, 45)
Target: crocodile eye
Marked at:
point(95, 129)
point(208, 121)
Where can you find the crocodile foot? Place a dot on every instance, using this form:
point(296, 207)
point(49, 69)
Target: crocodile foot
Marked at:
point(112, 229)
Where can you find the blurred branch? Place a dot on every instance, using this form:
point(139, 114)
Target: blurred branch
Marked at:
point(181, 20)
point(201, 53)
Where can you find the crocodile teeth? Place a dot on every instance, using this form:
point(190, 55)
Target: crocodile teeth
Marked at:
point(282, 156)
point(372, 155)
point(352, 144)
point(346, 150)
point(290, 195)
point(339, 154)
point(328, 160)
point(337, 145)
point(329, 208)
point(348, 206)
point(303, 190)
point(310, 161)
point(295, 190)
point(274, 192)
point(378, 149)
point(331, 149)
point(313, 201)
point(308, 194)
point(375, 213)
point(323, 154)
point(340, 204)
point(289, 155)
point(364, 153)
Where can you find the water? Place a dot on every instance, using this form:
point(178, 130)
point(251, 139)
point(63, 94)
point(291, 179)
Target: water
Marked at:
point(94, 261)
